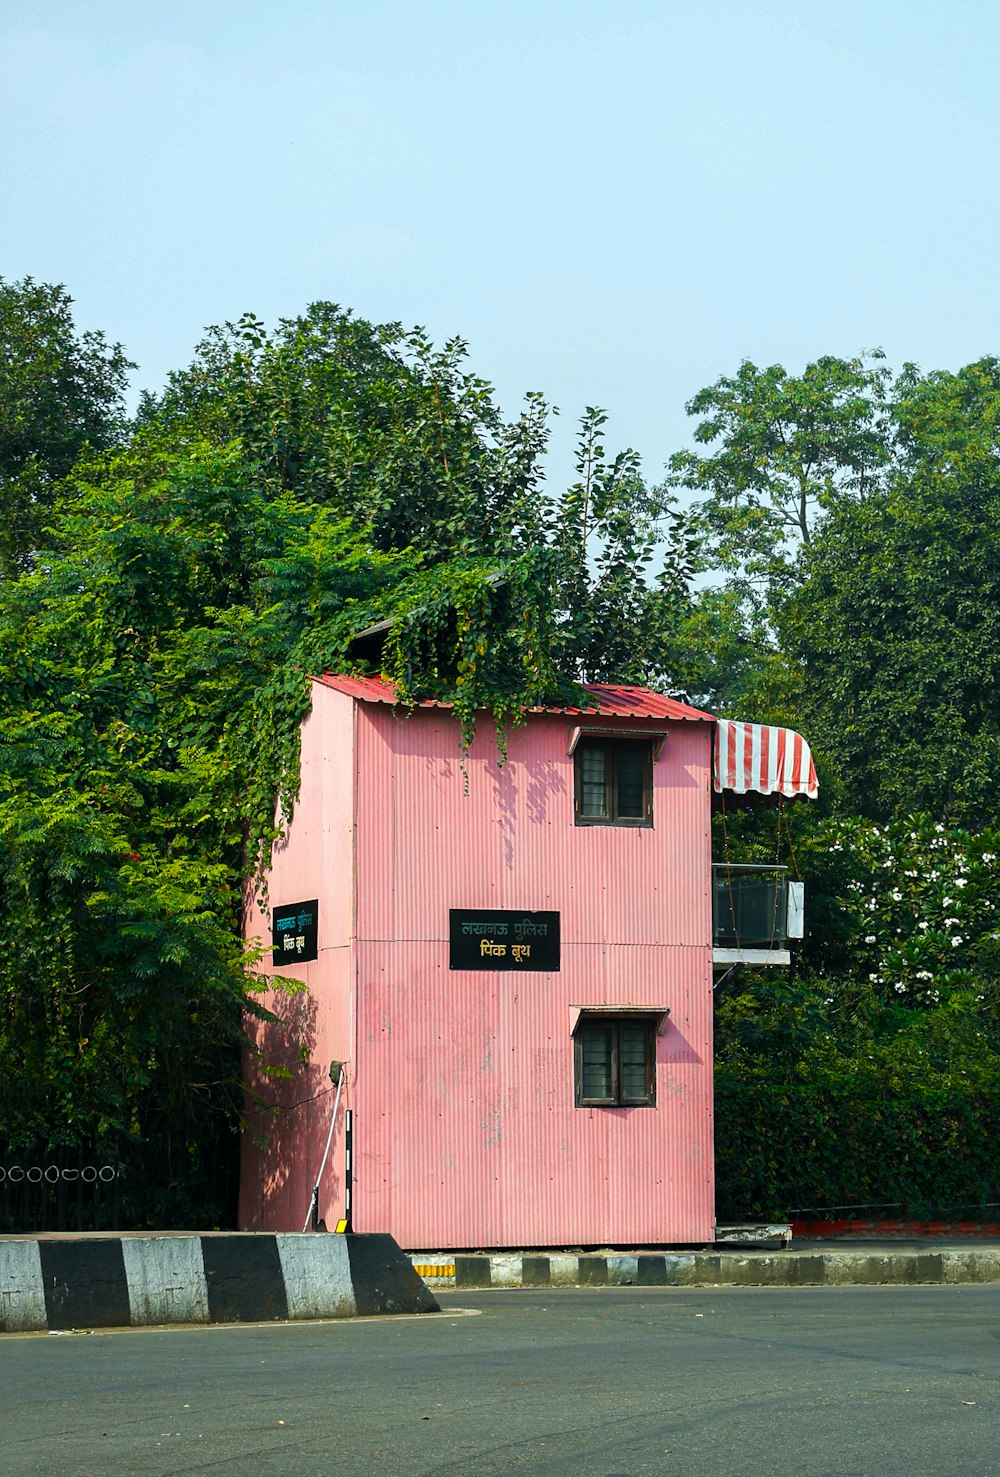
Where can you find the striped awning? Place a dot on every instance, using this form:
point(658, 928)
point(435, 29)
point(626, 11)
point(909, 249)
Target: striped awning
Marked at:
point(771, 761)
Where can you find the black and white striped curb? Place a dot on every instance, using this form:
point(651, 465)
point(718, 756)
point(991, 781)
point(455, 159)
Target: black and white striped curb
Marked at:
point(840, 1268)
point(115, 1281)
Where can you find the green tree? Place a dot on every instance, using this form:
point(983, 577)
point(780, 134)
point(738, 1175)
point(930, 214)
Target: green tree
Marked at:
point(371, 421)
point(784, 450)
point(624, 559)
point(949, 422)
point(289, 490)
point(896, 629)
point(61, 391)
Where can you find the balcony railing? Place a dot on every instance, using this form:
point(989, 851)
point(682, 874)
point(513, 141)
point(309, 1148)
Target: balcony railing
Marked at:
point(754, 907)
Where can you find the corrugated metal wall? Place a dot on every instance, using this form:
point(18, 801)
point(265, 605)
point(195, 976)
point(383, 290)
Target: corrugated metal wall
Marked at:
point(280, 1154)
point(466, 1132)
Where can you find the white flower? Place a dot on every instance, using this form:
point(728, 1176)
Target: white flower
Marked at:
point(946, 902)
point(956, 940)
point(870, 938)
point(873, 978)
point(960, 882)
point(989, 856)
point(924, 974)
point(899, 988)
point(924, 926)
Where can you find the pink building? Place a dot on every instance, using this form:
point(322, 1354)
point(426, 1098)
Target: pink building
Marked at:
point(514, 964)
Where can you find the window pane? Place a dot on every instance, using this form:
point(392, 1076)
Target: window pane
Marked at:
point(634, 1045)
point(593, 781)
point(596, 1042)
point(631, 777)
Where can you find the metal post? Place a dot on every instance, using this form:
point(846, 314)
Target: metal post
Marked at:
point(348, 1165)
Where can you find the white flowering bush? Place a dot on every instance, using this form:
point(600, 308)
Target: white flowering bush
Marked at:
point(919, 906)
point(879, 1050)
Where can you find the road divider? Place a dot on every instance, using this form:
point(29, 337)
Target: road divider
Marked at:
point(111, 1281)
point(840, 1267)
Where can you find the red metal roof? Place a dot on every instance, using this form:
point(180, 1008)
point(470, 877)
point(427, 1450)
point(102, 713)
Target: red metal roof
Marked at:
point(607, 701)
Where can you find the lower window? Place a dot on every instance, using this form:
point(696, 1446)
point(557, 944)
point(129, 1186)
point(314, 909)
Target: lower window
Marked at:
point(615, 1062)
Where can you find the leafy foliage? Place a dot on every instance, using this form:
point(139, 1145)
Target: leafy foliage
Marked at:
point(288, 491)
point(854, 519)
point(921, 907)
point(60, 392)
point(371, 422)
point(870, 1139)
point(172, 585)
point(896, 627)
point(889, 1113)
point(785, 450)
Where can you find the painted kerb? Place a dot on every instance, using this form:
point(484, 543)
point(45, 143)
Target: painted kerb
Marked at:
point(117, 1281)
point(711, 1269)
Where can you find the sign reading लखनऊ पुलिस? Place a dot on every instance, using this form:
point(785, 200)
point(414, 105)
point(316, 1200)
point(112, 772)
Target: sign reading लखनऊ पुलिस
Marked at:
point(295, 933)
point(490, 938)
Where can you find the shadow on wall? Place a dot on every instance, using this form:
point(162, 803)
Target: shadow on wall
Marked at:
point(287, 1115)
point(673, 1047)
point(545, 782)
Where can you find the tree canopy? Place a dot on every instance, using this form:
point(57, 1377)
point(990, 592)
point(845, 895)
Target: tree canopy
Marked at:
point(61, 391)
point(287, 491)
point(896, 625)
point(784, 450)
point(172, 581)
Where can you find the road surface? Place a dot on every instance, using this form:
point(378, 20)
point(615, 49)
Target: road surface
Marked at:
point(879, 1381)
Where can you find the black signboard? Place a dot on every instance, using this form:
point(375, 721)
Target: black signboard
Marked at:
point(295, 933)
point(488, 938)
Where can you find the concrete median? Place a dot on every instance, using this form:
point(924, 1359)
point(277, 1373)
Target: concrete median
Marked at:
point(135, 1280)
point(809, 1266)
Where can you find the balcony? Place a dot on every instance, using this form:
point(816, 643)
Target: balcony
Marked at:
point(755, 911)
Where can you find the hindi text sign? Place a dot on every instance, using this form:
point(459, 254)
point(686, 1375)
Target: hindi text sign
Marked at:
point(492, 938)
point(295, 933)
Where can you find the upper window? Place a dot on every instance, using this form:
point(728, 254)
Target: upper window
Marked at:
point(615, 1062)
point(614, 782)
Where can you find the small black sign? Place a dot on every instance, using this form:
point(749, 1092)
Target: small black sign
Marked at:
point(295, 933)
point(488, 938)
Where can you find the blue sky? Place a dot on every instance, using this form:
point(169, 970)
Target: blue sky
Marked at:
point(613, 203)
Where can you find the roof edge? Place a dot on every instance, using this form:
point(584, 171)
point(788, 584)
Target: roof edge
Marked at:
point(611, 700)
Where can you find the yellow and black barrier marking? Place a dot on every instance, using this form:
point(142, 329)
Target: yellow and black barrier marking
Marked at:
point(435, 1271)
point(709, 1268)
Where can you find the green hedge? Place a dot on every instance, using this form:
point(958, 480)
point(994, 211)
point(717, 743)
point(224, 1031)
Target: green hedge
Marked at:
point(925, 1145)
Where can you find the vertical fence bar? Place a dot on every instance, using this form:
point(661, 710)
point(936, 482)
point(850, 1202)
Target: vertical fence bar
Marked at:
point(348, 1166)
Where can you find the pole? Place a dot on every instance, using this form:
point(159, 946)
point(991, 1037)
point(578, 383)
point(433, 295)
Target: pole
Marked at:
point(312, 1214)
point(348, 1165)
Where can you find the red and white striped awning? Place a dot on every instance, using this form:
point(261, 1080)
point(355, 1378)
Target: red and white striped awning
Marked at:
point(752, 756)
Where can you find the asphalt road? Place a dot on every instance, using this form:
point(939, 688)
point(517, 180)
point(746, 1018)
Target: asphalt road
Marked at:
point(857, 1380)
